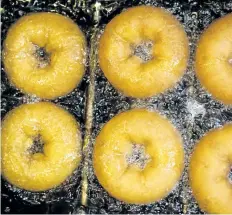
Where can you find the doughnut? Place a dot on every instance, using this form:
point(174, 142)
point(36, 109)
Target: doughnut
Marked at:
point(214, 59)
point(210, 171)
point(44, 55)
point(138, 157)
point(143, 51)
point(41, 145)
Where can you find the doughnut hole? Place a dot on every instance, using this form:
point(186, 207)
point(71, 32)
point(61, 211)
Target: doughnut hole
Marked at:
point(37, 145)
point(138, 156)
point(230, 61)
point(42, 56)
point(230, 175)
point(143, 51)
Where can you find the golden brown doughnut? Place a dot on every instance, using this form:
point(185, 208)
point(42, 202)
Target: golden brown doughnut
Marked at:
point(44, 54)
point(138, 157)
point(143, 51)
point(214, 59)
point(47, 124)
point(210, 166)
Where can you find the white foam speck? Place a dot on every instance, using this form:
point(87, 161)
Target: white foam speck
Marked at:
point(195, 109)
